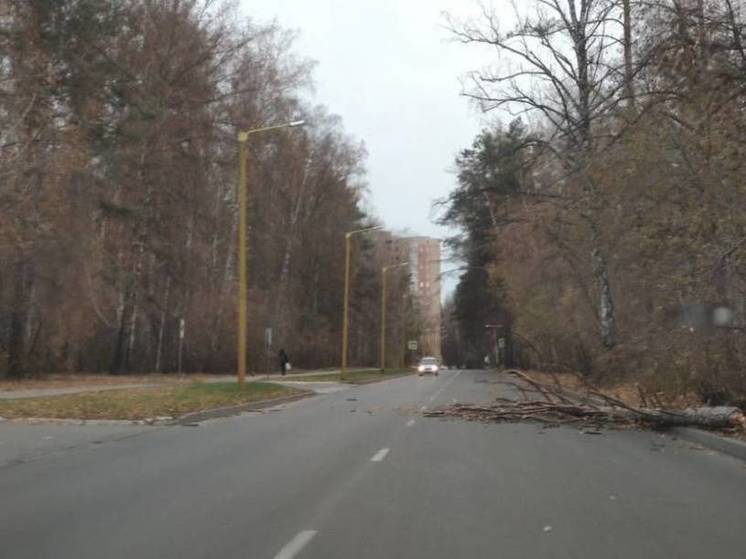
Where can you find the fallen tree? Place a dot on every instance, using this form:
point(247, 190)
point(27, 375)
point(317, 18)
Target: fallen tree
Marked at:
point(558, 407)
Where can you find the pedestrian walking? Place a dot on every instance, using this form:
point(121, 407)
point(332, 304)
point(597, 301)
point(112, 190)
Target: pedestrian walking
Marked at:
point(284, 361)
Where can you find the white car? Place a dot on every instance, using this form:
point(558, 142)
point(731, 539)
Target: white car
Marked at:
point(428, 366)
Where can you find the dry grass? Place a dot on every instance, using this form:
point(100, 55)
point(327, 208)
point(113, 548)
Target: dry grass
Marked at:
point(142, 403)
point(74, 380)
point(89, 380)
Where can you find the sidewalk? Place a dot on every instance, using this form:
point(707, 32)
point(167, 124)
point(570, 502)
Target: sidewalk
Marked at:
point(60, 391)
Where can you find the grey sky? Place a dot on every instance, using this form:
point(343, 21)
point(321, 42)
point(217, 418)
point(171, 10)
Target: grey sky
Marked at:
point(388, 68)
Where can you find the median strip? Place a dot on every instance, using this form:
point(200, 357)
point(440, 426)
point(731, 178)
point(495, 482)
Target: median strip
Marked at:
point(138, 404)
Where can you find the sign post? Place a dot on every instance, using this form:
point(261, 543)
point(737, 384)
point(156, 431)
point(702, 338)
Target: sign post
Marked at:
point(501, 354)
point(268, 347)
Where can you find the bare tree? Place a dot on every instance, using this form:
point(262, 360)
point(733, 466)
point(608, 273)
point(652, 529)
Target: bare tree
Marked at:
point(562, 64)
point(657, 189)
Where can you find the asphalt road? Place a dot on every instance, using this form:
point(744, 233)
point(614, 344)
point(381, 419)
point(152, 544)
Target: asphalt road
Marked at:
point(360, 474)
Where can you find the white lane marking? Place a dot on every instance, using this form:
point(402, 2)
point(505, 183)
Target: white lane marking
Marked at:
point(446, 385)
point(294, 546)
point(380, 455)
point(410, 422)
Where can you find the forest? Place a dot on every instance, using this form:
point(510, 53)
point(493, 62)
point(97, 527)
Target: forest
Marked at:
point(601, 225)
point(119, 169)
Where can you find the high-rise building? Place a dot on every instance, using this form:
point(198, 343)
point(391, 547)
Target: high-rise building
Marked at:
point(423, 255)
point(424, 263)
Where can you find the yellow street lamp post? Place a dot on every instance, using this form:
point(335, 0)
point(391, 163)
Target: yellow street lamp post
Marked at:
point(243, 138)
point(384, 285)
point(345, 315)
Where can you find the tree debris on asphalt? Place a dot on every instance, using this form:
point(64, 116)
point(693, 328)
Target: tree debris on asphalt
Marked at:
point(556, 407)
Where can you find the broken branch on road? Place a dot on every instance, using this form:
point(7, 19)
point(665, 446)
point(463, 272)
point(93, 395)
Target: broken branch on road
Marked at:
point(556, 406)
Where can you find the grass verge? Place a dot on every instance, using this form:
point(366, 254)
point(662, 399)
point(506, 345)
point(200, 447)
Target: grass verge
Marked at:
point(143, 403)
point(74, 380)
point(356, 377)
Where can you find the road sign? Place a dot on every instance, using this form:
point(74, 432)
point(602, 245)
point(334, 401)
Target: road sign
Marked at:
point(412, 345)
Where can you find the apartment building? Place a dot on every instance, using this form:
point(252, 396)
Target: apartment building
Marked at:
point(424, 256)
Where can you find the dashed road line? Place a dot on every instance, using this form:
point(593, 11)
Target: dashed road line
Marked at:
point(410, 422)
point(446, 385)
point(380, 455)
point(296, 545)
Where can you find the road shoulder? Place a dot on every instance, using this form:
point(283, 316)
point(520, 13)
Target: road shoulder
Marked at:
point(713, 441)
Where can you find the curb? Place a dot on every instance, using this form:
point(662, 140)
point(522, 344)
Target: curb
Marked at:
point(724, 445)
point(375, 380)
point(73, 421)
point(198, 416)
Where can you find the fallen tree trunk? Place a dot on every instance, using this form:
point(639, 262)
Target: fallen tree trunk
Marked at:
point(709, 418)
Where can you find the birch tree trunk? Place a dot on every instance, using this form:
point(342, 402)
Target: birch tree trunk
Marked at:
point(161, 328)
point(280, 311)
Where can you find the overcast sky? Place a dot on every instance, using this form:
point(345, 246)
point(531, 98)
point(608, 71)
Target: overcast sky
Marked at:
point(389, 69)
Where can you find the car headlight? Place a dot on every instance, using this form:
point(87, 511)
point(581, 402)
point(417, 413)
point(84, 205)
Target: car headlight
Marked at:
point(421, 368)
